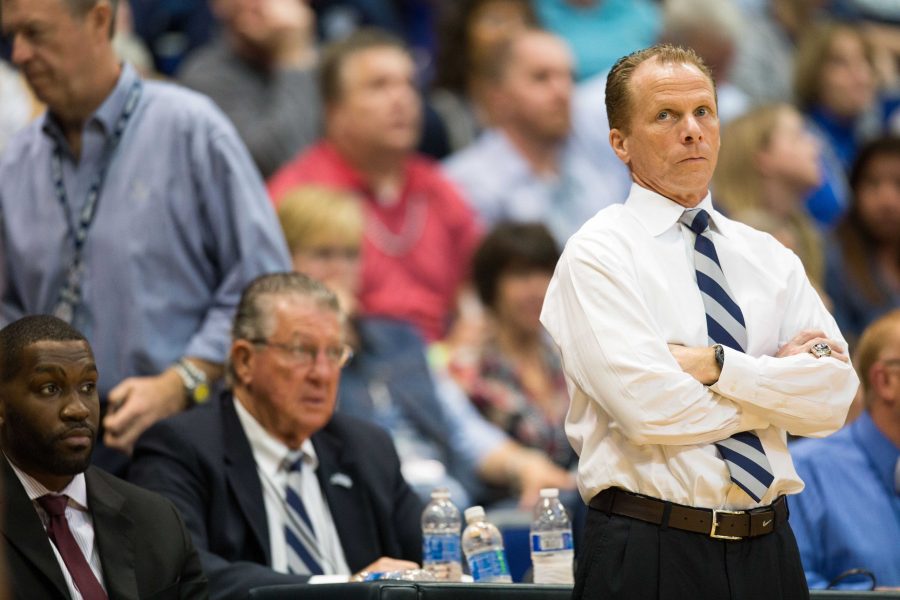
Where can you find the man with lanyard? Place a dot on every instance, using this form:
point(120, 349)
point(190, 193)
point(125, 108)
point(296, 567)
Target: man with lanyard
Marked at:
point(691, 345)
point(131, 210)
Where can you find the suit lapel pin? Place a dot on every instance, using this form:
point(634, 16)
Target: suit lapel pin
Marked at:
point(342, 480)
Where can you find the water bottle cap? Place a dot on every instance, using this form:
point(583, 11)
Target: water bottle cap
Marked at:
point(440, 492)
point(550, 493)
point(474, 512)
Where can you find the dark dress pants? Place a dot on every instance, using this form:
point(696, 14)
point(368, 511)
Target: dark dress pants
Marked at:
point(628, 559)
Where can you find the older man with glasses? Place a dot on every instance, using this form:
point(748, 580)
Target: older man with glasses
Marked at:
point(273, 486)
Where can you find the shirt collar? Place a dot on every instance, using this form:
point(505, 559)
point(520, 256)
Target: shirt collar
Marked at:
point(76, 490)
point(271, 455)
point(882, 453)
point(658, 214)
point(107, 113)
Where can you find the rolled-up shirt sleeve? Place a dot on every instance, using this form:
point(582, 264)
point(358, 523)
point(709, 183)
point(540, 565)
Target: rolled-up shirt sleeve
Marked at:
point(241, 236)
point(470, 435)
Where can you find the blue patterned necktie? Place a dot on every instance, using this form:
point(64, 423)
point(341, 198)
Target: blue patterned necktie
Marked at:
point(300, 536)
point(743, 452)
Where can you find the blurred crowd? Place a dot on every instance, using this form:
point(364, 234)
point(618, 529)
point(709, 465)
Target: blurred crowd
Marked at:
point(428, 159)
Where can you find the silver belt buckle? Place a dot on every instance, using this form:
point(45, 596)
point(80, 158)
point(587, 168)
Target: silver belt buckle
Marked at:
point(713, 533)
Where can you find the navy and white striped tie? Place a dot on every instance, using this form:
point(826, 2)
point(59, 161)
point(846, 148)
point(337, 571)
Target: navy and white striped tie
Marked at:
point(743, 452)
point(300, 536)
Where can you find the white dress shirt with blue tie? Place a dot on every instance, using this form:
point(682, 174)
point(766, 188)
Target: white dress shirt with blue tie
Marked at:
point(623, 290)
point(269, 454)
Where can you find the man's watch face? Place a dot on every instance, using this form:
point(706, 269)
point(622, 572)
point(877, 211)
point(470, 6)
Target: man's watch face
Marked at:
point(201, 393)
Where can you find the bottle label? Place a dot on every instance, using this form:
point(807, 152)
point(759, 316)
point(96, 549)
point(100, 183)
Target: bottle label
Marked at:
point(488, 564)
point(440, 548)
point(551, 541)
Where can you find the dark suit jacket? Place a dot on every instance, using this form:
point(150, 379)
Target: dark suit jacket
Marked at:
point(202, 461)
point(144, 548)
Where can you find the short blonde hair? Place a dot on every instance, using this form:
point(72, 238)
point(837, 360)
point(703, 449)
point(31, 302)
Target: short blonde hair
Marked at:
point(313, 216)
point(877, 336)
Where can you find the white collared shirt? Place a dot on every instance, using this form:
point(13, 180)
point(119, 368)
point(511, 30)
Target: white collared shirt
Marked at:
point(81, 524)
point(624, 288)
point(271, 457)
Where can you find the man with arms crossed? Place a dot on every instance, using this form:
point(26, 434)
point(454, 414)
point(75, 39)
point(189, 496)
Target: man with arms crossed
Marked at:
point(688, 356)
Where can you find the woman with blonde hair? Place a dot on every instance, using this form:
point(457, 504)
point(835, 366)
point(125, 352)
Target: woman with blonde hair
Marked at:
point(767, 164)
point(323, 228)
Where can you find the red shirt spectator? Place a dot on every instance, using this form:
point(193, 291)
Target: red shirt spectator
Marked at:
point(416, 249)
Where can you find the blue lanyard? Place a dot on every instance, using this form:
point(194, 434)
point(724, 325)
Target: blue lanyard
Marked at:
point(70, 295)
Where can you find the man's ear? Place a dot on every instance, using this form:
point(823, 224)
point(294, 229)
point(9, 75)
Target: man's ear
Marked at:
point(619, 144)
point(242, 357)
point(880, 384)
point(496, 101)
point(100, 18)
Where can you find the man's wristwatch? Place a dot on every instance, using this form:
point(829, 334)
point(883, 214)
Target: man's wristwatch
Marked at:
point(196, 386)
point(720, 355)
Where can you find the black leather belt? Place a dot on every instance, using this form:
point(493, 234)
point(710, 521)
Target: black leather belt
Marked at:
point(716, 523)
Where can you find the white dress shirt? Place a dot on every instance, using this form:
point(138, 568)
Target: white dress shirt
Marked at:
point(624, 288)
point(81, 524)
point(271, 458)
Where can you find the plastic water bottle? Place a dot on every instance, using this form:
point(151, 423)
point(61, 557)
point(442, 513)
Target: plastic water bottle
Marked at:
point(483, 546)
point(440, 537)
point(552, 553)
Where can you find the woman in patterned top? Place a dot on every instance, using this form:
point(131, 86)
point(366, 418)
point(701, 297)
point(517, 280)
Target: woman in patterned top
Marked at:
point(515, 379)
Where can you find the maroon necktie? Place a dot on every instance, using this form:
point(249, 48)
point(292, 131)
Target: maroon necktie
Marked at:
point(59, 532)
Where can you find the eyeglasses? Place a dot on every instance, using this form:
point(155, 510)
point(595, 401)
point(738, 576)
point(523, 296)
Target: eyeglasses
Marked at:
point(305, 355)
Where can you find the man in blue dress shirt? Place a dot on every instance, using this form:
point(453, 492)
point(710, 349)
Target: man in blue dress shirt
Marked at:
point(132, 210)
point(848, 516)
point(531, 165)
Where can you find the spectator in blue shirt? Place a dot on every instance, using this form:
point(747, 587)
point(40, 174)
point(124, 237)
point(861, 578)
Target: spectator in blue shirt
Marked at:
point(848, 516)
point(600, 31)
point(529, 166)
point(132, 210)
